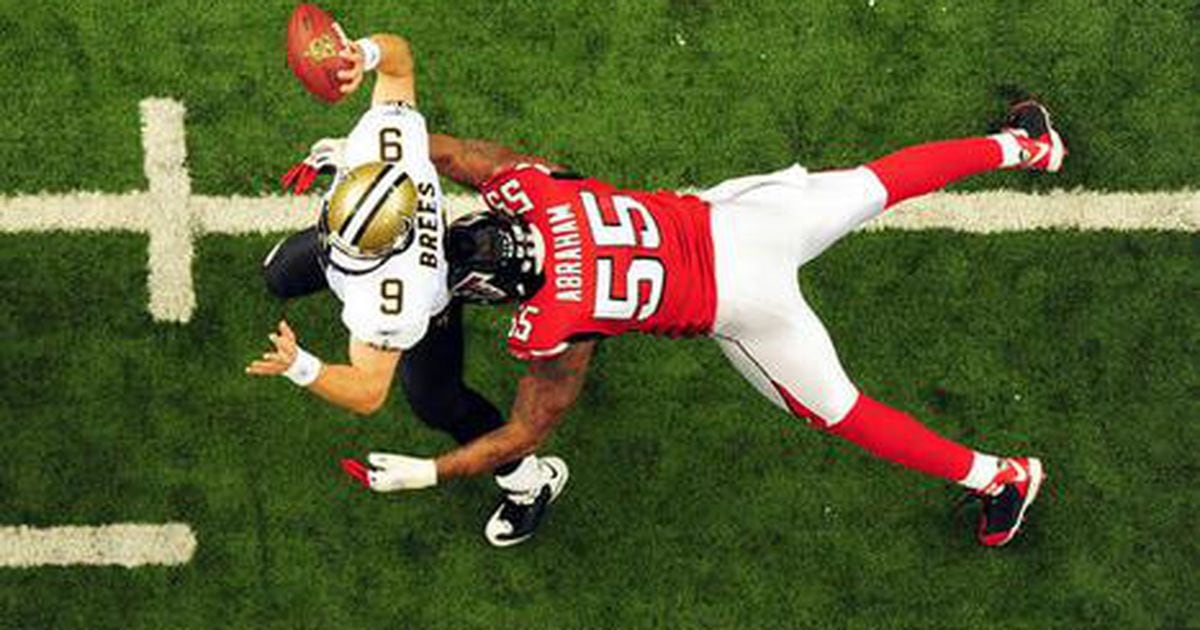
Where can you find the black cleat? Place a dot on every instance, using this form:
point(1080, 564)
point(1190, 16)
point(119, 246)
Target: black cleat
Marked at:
point(519, 513)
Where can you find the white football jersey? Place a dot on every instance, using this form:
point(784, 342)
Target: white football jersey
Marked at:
point(391, 306)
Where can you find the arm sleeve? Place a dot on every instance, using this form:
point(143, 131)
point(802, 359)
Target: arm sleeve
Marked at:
point(538, 333)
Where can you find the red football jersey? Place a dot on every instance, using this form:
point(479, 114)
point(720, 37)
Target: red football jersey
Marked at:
point(615, 260)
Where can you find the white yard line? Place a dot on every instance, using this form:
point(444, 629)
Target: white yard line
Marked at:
point(167, 215)
point(174, 218)
point(1005, 211)
point(123, 544)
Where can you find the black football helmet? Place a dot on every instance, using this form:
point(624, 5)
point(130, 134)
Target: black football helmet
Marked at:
point(493, 258)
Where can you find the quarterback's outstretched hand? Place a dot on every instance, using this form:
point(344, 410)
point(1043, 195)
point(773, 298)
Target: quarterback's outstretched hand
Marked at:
point(389, 473)
point(326, 154)
point(351, 77)
point(284, 354)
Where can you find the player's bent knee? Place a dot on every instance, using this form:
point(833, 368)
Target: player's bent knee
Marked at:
point(824, 411)
point(839, 409)
point(292, 268)
point(273, 274)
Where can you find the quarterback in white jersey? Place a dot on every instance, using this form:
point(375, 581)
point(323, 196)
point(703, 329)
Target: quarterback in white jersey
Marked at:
point(388, 303)
point(379, 246)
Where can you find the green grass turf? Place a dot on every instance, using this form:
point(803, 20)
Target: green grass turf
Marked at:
point(693, 503)
point(686, 92)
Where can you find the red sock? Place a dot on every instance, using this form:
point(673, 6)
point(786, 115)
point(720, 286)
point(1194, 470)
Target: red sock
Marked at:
point(897, 437)
point(925, 168)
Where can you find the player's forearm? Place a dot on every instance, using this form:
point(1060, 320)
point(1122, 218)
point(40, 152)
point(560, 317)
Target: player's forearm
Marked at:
point(543, 398)
point(396, 57)
point(508, 443)
point(391, 59)
point(346, 387)
point(469, 162)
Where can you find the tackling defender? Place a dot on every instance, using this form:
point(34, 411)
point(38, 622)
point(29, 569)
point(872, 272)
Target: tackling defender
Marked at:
point(379, 246)
point(590, 261)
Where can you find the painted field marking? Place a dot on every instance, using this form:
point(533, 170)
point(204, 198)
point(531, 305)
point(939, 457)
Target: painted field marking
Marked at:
point(174, 218)
point(122, 544)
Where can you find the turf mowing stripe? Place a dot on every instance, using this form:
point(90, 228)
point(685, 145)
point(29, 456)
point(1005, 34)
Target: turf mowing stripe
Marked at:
point(174, 218)
point(121, 544)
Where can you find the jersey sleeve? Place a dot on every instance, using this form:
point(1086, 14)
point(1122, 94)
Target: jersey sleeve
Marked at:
point(538, 333)
point(507, 190)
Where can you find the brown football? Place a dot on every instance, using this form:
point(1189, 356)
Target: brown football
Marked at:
point(313, 44)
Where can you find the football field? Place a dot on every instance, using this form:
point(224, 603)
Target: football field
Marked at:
point(693, 503)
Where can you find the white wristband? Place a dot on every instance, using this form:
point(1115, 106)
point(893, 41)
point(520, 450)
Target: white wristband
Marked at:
point(424, 474)
point(371, 53)
point(304, 369)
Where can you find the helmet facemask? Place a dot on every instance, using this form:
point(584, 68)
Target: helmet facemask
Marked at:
point(494, 258)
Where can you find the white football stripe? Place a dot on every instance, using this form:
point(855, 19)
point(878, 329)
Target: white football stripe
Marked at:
point(373, 198)
point(174, 218)
point(121, 544)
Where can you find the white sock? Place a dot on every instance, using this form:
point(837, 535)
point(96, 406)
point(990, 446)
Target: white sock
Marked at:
point(1010, 149)
point(527, 477)
point(983, 470)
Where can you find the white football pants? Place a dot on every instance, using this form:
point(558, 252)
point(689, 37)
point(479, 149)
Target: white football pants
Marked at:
point(764, 228)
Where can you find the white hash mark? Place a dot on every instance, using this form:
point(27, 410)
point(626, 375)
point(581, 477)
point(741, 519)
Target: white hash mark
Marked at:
point(122, 544)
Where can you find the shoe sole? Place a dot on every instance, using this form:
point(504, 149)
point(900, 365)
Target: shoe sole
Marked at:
point(1037, 475)
point(1058, 149)
point(564, 473)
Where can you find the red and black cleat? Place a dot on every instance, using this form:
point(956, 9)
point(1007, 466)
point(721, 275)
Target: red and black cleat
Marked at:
point(1042, 148)
point(1006, 499)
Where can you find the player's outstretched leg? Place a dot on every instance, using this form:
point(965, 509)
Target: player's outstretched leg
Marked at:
point(799, 215)
point(1028, 140)
point(1005, 486)
point(787, 354)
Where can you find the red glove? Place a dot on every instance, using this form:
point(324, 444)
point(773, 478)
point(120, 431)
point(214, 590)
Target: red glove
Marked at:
point(299, 178)
point(326, 154)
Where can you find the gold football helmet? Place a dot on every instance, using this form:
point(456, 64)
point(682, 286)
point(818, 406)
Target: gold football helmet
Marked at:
point(368, 216)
